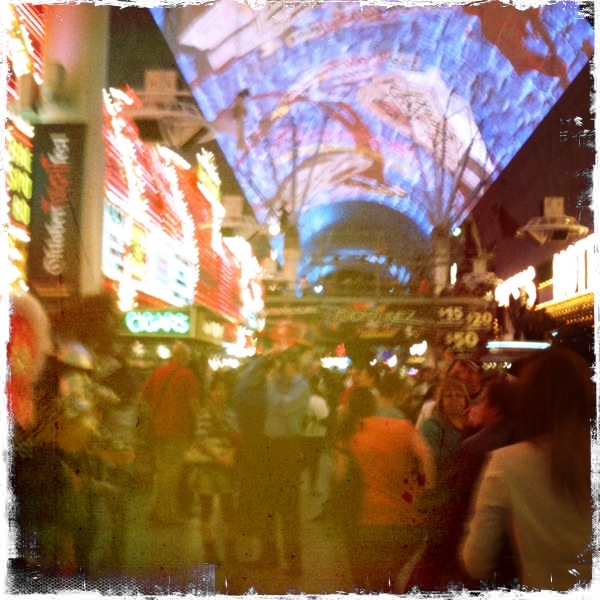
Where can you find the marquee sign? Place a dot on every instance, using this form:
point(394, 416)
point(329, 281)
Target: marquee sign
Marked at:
point(389, 317)
point(464, 329)
point(574, 281)
point(574, 270)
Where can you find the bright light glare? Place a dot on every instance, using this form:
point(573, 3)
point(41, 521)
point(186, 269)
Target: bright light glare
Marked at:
point(418, 349)
point(392, 361)
point(335, 362)
point(138, 349)
point(318, 289)
point(163, 352)
point(219, 362)
point(517, 345)
point(453, 273)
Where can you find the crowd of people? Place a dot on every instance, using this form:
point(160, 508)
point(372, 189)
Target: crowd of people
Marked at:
point(73, 434)
point(461, 478)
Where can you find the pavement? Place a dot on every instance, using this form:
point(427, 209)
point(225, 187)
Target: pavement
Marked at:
point(168, 560)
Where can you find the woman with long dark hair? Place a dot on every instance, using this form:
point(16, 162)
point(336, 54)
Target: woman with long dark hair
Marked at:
point(536, 494)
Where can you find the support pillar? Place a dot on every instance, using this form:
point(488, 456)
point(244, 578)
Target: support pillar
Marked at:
point(440, 251)
point(75, 68)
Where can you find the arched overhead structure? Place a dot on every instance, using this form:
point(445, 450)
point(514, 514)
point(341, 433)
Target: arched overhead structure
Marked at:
point(359, 236)
point(372, 126)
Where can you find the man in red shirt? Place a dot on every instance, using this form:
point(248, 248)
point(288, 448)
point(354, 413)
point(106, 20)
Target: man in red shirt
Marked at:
point(171, 392)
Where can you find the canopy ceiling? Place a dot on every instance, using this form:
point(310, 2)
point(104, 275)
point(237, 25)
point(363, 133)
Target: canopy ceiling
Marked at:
point(372, 126)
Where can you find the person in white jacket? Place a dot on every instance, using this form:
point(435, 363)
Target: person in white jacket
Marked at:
point(536, 494)
point(315, 432)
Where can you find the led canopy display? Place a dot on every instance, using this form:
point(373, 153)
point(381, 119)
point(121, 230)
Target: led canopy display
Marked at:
point(417, 109)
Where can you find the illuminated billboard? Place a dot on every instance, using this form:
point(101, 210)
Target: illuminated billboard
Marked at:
point(415, 108)
point(161, 229)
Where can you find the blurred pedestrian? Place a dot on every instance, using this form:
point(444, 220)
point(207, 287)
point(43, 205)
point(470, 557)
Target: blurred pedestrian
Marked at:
point(443, 433)
point(214, 455)
point(288, 395)
point(121, 445)
point(409, 403)
point(369, 376)
point(384, 465)
point(349, 383)
point(443, 430)
point(64, 452)
point(29, 347)
point(60, 482)
point(249, 401)
point(171, 392)
point(387, 405)
point(87, 337)
point(467, 371)
point(536, 494)
point(314, 433)
point(493, 420)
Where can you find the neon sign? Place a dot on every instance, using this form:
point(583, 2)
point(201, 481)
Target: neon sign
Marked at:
point(397, 317)
point(20, 185)
point(513, 285)
point(574, 269)
point(209, 181)
point(148, 322)
point(148, 242)
point(212, 329)
point(20, 46)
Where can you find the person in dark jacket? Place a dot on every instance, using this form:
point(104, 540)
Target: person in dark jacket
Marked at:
point(248, 400)
point(491, 418)
point(443, 433)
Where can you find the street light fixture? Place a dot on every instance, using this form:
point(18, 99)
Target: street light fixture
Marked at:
point(554, 225)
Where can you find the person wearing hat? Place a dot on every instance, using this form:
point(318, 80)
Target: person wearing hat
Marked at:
point(57, 454)
point(468, 371)
point(61, 443)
